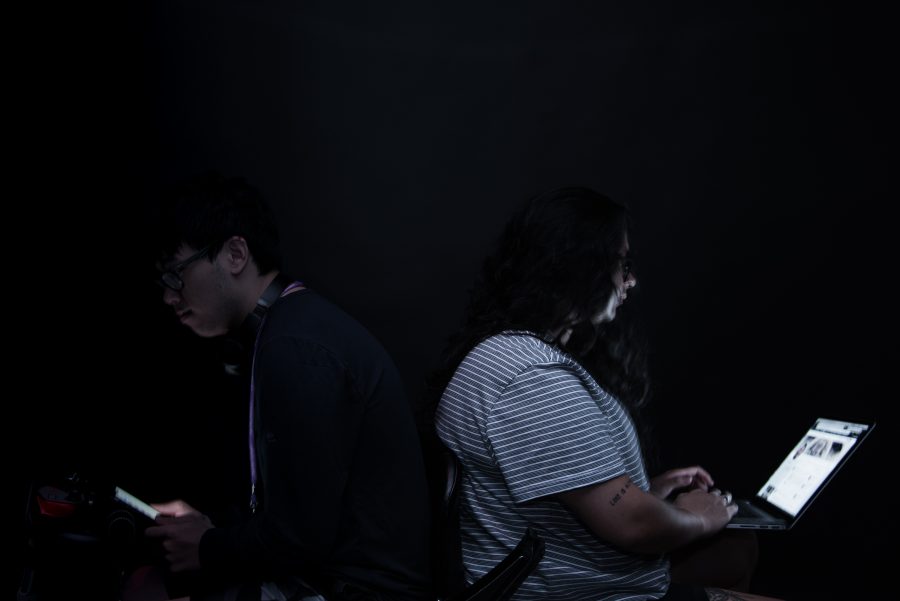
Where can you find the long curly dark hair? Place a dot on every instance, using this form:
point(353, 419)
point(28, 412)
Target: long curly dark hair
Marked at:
point(553, 269)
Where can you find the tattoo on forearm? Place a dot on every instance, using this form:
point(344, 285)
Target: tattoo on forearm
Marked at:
point(717, 594)
point(618, 496)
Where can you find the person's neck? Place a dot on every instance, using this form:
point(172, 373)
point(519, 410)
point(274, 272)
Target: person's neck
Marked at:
point(263, 282)
point(561, 335)
point(255, 288)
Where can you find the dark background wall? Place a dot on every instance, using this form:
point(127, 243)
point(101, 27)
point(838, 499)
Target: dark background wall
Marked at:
point(749, 140)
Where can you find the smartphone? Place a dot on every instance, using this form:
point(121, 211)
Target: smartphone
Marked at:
point(135, 503)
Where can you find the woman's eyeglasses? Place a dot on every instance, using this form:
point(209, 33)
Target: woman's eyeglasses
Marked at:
point(627, 268)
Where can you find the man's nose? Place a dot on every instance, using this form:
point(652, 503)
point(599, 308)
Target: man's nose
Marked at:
point(170, 297)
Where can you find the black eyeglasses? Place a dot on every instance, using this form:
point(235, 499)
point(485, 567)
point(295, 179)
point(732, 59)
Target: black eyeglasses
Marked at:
point(171, 277)
point(627, 268)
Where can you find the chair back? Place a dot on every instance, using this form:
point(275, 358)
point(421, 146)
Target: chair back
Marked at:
point(447, 543)
point(502, 581)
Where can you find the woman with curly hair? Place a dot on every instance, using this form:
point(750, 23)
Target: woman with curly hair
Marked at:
point(539, 397)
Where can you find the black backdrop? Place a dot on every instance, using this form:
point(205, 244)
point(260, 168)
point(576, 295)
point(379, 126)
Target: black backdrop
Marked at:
point(750, 142)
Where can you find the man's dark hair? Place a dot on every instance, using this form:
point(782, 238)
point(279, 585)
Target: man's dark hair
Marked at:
point(206, 211)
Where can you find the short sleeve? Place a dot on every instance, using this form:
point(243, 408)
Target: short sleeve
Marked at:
point(548, 435)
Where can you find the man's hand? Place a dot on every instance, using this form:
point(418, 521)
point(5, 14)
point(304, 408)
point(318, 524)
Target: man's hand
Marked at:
point(174, 508)
point(181, 536)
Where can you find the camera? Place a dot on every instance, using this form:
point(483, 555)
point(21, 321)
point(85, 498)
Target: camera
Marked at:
point(79, 540)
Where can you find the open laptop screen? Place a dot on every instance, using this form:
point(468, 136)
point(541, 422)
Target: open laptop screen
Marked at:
point(809, 465)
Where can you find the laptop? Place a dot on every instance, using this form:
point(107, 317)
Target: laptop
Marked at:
point(810, 465)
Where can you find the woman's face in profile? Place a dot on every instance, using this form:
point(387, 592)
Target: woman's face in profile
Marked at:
point(623, 280)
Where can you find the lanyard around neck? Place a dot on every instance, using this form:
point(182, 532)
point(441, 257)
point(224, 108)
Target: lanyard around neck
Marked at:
point(293, 287)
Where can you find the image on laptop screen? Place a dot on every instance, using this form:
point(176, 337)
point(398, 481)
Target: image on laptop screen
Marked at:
point(810, 463)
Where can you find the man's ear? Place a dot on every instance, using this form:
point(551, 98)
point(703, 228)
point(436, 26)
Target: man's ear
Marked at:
point(236, 255)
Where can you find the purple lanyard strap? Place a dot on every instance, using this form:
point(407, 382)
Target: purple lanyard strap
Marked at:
point(294, 286)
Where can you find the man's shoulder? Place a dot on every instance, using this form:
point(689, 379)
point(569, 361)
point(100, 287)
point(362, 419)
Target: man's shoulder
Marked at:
point(313, 321)
point(309, 310)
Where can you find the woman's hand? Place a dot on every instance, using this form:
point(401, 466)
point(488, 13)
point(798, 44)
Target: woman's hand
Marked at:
point(689, 478)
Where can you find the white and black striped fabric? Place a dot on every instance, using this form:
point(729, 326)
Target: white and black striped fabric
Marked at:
point(527, 422)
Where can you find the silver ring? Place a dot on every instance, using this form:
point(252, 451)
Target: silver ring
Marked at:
point(727, 496)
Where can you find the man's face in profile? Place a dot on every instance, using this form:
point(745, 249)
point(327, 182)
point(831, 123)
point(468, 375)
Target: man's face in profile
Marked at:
point(196, 289)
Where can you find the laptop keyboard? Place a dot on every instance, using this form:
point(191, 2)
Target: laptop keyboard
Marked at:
point(746, 510)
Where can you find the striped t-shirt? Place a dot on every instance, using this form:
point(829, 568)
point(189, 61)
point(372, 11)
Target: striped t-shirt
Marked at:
point(526, 422)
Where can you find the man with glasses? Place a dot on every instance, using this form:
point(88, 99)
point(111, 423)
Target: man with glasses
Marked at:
point(170, 277)
point(337, 500)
